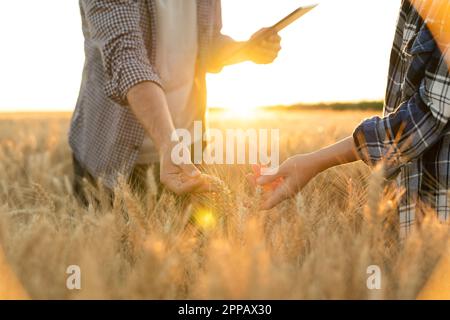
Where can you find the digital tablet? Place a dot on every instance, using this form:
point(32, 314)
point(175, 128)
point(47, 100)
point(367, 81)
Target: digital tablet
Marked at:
point(280, 25)
point(292, 17)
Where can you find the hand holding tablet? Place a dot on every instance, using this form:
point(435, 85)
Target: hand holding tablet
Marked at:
point(268, 34)
point(289, 19)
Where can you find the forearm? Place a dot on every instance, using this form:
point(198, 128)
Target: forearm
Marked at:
point(148, 102)
point(339, 153)
point(262, 48)
point(224, 54)
point(232, 53)
point(295, 173)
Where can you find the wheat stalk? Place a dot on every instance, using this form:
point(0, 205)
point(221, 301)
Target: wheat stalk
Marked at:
point(221, 202)
point(320, 253)
point(42, 196)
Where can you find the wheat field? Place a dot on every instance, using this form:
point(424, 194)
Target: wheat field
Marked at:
point(316, 246)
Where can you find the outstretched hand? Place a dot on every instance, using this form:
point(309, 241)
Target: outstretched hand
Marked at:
point(183, 178)
point(297, 171)
point(292, 176)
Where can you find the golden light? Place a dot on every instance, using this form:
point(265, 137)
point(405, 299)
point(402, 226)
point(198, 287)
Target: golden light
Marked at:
point(155, 246)
point(438, 285)
point(436, 13)
point(10, 286)
point(205, 219)
point(240, 112)
point(317, 63)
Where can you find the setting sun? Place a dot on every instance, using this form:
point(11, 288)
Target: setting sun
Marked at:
point(337, 52)
point(313, 165)
point(240, 112)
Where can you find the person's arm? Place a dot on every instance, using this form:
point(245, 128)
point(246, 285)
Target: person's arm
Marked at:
point(132, 82)
point(262, 51)
point(298, 170)
point(226, 51)
point(148, 102)
point(114, 29)
point(415, 126)
point(393, 140)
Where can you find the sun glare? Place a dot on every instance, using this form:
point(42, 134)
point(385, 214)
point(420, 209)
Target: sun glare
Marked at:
point(240, 112)
point(338, 52)
point(205, 219)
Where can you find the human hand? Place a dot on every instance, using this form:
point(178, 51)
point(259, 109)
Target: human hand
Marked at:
point(289, 179)
point(264, 50)
point(183, 178)
point(297, 171)
point(257, 173)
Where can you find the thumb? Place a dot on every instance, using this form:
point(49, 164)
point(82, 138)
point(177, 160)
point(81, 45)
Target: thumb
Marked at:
point(190, 170)
point(262, 34)
point(268, 177)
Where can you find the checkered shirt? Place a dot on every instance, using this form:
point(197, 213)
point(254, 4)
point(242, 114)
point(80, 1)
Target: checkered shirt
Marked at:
point(412, 140)
point(120, 48)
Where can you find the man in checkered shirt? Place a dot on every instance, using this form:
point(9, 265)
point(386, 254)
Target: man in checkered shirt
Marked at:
point(144, 76)
point(412, 140)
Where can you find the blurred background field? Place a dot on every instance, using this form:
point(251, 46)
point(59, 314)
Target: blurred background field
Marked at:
point(318, 245)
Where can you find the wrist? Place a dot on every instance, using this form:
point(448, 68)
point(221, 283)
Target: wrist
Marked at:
point(243, 52)
point(168, 142)
point(339, 153)
point(165, 149)
point(319, 162)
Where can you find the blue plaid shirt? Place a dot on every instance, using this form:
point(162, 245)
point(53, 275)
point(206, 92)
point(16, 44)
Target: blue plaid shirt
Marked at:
point(412, 140)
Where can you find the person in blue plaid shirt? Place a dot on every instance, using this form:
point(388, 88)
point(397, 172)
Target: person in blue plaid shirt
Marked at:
point(411, 141)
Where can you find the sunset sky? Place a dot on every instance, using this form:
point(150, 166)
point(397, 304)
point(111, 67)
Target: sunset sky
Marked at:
point(338, 52)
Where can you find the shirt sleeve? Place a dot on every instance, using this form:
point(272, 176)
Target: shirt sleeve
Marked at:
point(114, 29)
point(415, 126)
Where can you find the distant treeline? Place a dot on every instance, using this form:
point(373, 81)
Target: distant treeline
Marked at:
point(364, 105)
point(337, 106)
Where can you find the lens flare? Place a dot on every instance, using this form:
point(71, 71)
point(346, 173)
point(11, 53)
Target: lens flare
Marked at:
point(205, 219)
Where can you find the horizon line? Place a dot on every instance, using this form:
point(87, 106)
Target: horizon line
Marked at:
point(279, 106)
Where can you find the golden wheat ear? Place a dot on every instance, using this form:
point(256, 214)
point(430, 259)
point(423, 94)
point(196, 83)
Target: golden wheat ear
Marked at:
point(10, 286)
point(215, 207)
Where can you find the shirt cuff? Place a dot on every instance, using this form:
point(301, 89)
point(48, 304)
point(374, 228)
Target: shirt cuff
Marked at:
point(374, 147)
point(127, 75)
